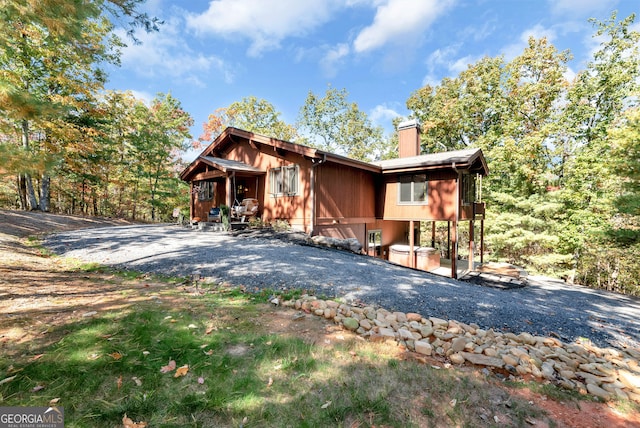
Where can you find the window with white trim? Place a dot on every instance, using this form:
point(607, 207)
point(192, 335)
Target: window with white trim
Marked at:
point(412, 189)
point(283, 180)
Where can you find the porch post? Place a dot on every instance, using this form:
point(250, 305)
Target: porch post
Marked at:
point(471, 239)
point(228, 189)
point(454, 251)
point(449, 240)
point(433, 234)
point(482, 241)
point(412, 258)
point(191, 201)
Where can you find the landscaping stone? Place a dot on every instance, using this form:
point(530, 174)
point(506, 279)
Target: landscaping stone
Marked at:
point(458, 344)
point(482, 360)
point(423, 347)
point(414, 317)
point(350, 323)
point(581, 366)
point(457, 358)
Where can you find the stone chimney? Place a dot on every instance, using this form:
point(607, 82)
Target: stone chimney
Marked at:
point(409, 138)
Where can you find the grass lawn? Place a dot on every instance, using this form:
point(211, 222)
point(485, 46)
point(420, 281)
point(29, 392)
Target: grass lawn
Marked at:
point(230, 369)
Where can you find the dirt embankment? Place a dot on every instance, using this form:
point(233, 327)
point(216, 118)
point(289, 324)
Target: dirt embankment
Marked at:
point(19, 224)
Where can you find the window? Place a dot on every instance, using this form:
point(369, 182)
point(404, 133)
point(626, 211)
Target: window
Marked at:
point(468, 189)
point(375, 243)
point(284, 180)
point(205, 190)
point(413, 189)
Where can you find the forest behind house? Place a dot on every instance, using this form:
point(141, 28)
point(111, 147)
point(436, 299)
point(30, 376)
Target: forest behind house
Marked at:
point(563, 149)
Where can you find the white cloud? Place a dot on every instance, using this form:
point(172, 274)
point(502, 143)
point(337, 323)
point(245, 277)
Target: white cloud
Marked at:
point(461, 64)
point(538, 31)
point(264, 23)
point(167, 53)
point(569, 75)
point(382, 115)
point(333, 58)
point(447, 59)
point(431, 80)
point(400, 21)
point(143, 96)
point(578, 9)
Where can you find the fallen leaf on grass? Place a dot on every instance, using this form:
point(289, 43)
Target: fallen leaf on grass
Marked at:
point(128, 423)
point(36, 357)
point(54, 401)
point(8, 379)
point(169, 367)
point(270, 382)
point(210, 330)
point(137, 381)
point(182, 371)
point(325, 405)
point(119, 382)
point(116, 356)
point(37, 388)
point(209, 352)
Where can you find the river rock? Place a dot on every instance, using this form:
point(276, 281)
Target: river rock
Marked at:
point(458, 344)
point(412, 316)
point(423, 347)
point(350, 324)
point(482, 360)
point(456, 358)
point(598, 392)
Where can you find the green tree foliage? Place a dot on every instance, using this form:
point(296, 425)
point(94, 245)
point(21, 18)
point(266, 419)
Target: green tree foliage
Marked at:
point(333, 124)
point(563, 190)
point(251, 114)
point(49, 54)
point(128, 165)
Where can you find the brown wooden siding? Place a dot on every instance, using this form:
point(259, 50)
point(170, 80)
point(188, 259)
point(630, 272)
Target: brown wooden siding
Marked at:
point(441, 204)
point(295, 209)
point(344, 193)
point(201, 208)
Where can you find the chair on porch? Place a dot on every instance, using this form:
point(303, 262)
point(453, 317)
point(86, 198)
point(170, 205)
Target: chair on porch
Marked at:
point(214, 215)
point(247, 208)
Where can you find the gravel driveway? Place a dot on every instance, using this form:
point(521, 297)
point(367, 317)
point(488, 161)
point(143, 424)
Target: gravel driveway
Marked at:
point(544, 307)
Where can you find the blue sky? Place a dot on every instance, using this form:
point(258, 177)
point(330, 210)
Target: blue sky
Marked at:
point(210, 53)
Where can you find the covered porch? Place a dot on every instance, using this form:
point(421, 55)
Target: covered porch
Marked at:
point(446, 247)
point(219, 182)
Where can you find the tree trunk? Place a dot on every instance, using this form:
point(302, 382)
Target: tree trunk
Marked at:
point(45, 193)
point(22, 191)
point(32, 202)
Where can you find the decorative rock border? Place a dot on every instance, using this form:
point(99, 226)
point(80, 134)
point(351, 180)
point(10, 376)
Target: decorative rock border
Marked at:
point(602, 372)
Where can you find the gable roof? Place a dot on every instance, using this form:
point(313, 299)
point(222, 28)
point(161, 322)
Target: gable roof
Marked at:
point(472, 159)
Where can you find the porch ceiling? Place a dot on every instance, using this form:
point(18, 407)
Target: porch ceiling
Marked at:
point(228, 165)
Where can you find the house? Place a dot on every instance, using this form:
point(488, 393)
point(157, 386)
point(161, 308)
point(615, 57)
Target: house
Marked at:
point(382, 204)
